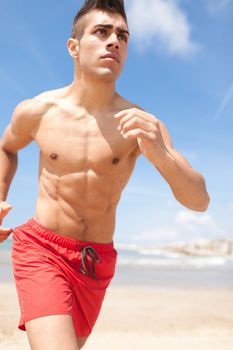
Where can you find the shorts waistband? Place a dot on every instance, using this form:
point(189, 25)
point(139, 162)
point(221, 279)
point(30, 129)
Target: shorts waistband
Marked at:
point(64, 241)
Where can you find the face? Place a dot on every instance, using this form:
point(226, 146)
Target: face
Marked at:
point(102, 50)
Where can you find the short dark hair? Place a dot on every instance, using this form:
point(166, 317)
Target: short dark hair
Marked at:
point(113, 6)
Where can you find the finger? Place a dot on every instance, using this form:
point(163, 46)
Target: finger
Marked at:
point(139, 133)
point(138, 123)
point(134, 110)
point(131, 111)
point(4, 209)
point(4, 235)
point(122, 113)
point(5, 231)
point(125, 119)
point(131, 116)
point(2, 239)
point(140, 115)
point(5, 205)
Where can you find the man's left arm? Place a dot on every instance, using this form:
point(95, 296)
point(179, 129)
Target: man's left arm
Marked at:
point(154, 141)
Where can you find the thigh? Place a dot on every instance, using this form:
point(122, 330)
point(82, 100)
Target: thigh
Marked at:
point(81, 341)
point(54, 332)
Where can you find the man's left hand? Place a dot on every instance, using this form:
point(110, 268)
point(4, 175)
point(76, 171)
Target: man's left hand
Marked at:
point(137, 124)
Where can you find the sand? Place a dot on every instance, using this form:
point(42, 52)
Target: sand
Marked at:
point(143, 318)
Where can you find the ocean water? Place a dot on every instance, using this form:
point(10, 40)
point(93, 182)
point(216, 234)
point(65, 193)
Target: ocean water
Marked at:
point(132, 255)
point(138, 265)
point(143, 266)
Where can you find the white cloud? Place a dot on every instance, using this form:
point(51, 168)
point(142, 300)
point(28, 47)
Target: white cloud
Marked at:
point(216, 6)
point(159, 235)
point(226, 100)
point(192, 220)
point(172, 203)
point(160, 24)
point(186, 226)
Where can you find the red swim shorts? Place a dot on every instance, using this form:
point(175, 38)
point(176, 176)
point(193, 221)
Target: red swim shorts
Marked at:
point(55, 275)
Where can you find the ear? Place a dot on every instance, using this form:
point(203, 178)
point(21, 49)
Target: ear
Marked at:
point(73, 47)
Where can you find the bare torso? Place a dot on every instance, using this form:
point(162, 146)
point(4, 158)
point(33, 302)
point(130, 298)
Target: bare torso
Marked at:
point(84, 165)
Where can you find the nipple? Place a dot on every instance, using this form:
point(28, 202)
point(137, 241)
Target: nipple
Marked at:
point(115, 160)
point(53, 156)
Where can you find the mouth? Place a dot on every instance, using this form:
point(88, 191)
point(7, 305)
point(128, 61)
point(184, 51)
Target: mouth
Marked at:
point(112, 57)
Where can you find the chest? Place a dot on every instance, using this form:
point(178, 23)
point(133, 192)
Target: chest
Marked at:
point(83, 143)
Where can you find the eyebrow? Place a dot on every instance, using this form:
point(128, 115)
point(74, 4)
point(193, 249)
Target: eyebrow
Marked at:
point(110, 26)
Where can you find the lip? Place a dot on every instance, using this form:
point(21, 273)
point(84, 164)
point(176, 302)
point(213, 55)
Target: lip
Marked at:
point(112, 56)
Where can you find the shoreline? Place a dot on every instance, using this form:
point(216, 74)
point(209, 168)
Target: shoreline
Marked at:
point(143, 317)
point(158, 277)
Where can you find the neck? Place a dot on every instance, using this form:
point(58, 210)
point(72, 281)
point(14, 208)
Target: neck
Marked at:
point(92, 94)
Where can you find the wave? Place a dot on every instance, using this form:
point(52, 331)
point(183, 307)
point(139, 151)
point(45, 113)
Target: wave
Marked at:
point(197, 263)
point(132, 255)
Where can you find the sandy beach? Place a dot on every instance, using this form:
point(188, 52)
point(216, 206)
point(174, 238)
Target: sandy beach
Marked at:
point(143, 318)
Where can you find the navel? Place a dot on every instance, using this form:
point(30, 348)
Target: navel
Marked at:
point(115, 160)
point(53, 156)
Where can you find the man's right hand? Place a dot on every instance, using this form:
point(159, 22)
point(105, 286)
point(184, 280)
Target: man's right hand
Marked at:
point(4, 210)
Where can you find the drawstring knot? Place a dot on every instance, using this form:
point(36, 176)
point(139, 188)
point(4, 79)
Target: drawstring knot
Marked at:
point(85, 267)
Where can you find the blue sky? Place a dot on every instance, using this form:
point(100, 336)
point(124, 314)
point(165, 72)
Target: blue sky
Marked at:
point(179, 69)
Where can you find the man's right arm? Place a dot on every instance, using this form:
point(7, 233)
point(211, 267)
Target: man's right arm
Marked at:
point(17, 135)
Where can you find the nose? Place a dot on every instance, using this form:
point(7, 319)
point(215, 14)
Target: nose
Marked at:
point(113, 41)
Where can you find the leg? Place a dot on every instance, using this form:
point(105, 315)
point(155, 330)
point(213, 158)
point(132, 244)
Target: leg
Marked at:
point(81, 341)
point(54, 332)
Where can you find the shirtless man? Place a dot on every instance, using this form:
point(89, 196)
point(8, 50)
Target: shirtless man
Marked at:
point(89, 139)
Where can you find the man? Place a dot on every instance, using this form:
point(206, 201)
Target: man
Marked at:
point(89, 139)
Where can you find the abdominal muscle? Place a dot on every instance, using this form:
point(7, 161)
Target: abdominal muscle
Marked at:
point(78, 205)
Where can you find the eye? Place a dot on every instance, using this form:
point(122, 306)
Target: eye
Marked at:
point(101, 31)
point(123, 37)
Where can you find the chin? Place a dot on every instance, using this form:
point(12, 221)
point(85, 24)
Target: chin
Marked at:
point(106, 74)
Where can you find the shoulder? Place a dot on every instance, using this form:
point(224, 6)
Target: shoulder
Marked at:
point(123, 103)
point(40, 104)
point(36, 107)
point(31, 108)
point(28, 113)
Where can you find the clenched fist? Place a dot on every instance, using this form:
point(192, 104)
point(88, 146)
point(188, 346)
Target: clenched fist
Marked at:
point(4, 210)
